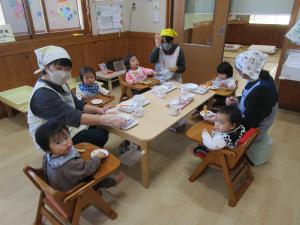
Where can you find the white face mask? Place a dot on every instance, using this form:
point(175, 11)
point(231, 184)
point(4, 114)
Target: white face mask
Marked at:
point(59, 77)
point(167, 46)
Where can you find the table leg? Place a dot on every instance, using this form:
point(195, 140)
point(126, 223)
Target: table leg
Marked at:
point(109, 83)
point(145, 164)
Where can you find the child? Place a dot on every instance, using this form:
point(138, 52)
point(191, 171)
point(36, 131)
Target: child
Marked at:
point(63, 165)
point(227, 131)
point(89, 87)
point(135, 73)
point(224, 79)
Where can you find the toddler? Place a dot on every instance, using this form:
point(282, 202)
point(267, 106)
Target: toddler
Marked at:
point(89, 87)
point(63, 166)
point(135, 73)
point(227, 131)
point(224, 79)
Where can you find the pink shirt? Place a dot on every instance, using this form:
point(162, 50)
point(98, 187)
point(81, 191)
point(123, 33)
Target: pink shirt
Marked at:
point(138, 75)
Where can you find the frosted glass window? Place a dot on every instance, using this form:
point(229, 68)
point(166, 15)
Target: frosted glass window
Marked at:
point(14, 14)
point(270, 19)
point(62, 14)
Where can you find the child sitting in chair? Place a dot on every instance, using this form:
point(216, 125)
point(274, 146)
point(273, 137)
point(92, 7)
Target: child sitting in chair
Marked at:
point(63, 165)
point(89, 87)
point(224, 79)
point(135, 73)
point(227, 131)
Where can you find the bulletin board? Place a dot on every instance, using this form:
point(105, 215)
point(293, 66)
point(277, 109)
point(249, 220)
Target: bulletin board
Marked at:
point(108, 16)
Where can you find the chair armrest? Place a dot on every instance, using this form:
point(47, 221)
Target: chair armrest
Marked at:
point(228, 152)
point(79, 191)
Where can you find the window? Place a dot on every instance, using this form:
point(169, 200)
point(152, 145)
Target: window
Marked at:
point(41, 16)
point(282, 19)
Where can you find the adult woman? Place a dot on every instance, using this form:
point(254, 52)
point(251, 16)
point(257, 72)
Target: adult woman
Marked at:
point(259, 101)
point(167, 56)
point(52, 100)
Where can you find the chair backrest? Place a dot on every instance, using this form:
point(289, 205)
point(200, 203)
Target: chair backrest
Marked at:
point(241, 149)
point(53, 198)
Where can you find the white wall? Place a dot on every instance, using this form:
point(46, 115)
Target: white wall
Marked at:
point(141, 18)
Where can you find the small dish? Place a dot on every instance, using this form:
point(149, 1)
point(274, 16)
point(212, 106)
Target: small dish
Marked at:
point(100, 150)
point(208, 112)
point(96, 101)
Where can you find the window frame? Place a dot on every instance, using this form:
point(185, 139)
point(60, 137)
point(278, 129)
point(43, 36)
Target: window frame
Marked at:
point(87, 29)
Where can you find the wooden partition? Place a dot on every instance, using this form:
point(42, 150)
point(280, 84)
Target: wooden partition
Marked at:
point(260, 34)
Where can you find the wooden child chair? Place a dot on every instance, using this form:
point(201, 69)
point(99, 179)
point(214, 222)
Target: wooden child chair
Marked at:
point(58, 206)
point(233, 163)
point(126, 91)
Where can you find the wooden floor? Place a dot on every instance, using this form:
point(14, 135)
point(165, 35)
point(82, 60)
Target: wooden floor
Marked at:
point(272, 199)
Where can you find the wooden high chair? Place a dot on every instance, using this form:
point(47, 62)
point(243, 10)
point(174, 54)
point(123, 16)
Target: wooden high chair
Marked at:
point(58, 206)
point(233, 163)
point(126, 89)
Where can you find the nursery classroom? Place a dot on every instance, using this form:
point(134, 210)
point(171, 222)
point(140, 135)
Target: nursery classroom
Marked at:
point(150, 112)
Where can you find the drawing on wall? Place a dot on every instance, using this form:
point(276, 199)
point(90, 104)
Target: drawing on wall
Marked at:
point(64, 9)
point(17, 7)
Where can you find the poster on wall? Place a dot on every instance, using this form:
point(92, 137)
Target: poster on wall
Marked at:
point(108, 16)
point(6, 34)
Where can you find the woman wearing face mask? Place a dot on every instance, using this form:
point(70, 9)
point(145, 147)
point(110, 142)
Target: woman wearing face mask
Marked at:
point(52, 100)
point(258, 103)
point(168, 57)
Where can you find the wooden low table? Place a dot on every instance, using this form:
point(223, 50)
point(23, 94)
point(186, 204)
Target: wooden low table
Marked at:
point(109, 165)
point(16, 98)
point(109, 77)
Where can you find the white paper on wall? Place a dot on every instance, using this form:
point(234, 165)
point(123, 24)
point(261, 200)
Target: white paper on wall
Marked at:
point(291, 66)
point(155, 12)
point(109, 16)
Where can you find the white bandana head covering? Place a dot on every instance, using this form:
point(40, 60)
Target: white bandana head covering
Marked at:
point(48, 54)
point(251, 63)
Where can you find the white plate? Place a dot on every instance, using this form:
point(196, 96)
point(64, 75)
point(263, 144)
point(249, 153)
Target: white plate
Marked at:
point(96, 101)
point(100, 150)
point(207, 113)
point(189, 86)
point(129, 105)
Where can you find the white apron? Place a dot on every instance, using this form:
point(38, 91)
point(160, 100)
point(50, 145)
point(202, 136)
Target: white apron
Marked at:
point(164, 63)
point(34, 122)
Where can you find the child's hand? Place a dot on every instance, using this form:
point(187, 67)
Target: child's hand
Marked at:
point(154, 73)
point(101, 155)
point(157, 40)
point(109, 95)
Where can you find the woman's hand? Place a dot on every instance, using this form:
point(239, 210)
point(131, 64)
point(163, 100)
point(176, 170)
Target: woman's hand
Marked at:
point(157, 40)
point(102, 111)
point(113, 120)
point(211, 117)
point(232, 100)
